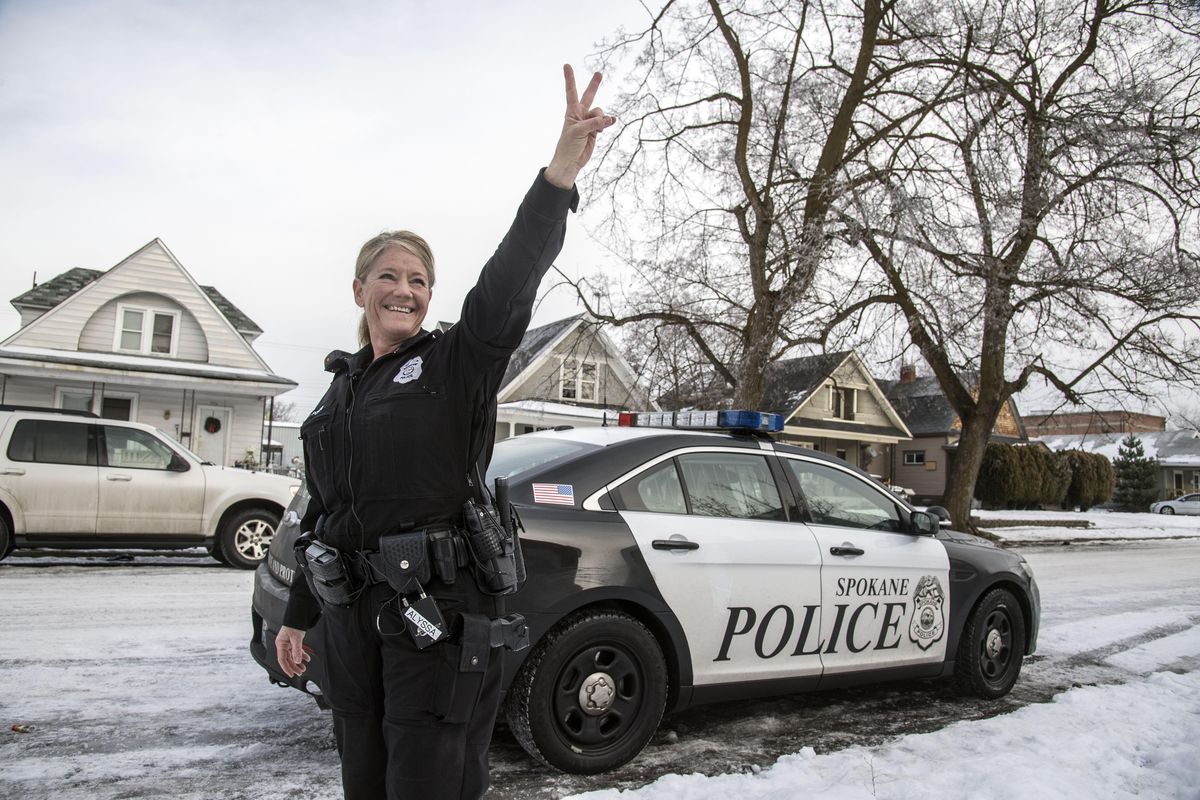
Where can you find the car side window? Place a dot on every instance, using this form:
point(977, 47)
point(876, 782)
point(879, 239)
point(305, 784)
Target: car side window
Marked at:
point(46, 441)
point(730, 485)
point(129, 448)
point(838, 498)
point(656, 489)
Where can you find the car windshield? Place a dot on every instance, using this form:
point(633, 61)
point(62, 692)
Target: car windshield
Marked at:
point(181, 446)
point(526, 452)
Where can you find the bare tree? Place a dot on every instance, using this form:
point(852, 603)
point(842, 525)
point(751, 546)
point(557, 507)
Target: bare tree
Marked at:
point(1042, 223)
point(721, 184)
point(282, 411)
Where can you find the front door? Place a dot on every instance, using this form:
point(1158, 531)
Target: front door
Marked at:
point(743, 582)
point(210, 434)
point(885, 591)
point(140, 494)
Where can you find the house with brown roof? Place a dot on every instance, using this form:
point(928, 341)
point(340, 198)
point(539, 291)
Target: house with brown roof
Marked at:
point(143, 341)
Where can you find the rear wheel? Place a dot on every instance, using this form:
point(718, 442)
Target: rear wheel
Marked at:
point(246, 536)
point(992, 646)
point(591, 694)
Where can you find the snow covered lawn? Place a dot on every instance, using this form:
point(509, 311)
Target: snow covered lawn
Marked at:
point(1100, 525)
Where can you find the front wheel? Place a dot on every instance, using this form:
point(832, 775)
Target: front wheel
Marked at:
point(1166, 510)
point(591, 695)
point(246, 536)
point(992, 647)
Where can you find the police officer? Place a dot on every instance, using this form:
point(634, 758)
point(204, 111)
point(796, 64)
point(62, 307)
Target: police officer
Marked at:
point(389, 448)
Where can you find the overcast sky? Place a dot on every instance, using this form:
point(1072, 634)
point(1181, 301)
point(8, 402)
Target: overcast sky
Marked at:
point(263, 142)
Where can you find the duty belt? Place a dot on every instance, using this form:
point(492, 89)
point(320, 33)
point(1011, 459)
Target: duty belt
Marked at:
point(444, 549)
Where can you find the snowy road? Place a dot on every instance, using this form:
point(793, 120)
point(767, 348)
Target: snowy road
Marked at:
point(135, 681)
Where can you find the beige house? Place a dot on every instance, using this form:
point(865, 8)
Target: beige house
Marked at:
point(831, 403)
point(143, 341)
point(923, 464)
point(567, 372)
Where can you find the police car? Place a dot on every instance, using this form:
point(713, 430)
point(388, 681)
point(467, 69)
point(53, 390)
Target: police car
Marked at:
point(687, 558)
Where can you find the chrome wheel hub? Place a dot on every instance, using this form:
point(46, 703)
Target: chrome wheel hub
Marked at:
point(994, 643)
point(597, 693)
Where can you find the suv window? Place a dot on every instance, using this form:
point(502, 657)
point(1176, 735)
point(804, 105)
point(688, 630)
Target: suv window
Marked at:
point(656, 489)
point(835, 497)
point(129, 448)
point(51, 442)
point(730, 485)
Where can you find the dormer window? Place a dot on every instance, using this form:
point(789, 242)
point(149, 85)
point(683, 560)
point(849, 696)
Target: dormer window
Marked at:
point(578, 380)
point(150, 331)
point(843, 402)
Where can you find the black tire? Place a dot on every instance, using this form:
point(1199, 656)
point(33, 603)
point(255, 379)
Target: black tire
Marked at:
point(246, 536)
point(215, 552)
point(545, 708)
point(1166, 510)
point(6, 538)
point(992, 647)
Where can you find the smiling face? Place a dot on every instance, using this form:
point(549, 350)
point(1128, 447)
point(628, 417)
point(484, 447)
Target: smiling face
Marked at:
point(394, 296)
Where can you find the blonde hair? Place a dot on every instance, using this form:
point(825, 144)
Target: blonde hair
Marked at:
point(374, 248)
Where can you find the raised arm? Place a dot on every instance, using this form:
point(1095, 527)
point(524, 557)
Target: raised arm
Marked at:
point(497, 311)
point(581, 124)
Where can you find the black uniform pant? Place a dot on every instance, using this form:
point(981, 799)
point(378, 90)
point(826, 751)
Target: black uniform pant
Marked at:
point(410, 724)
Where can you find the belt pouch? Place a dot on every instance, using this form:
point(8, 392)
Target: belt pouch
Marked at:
point(462, 671)
point(405, 561)
point(330, 579)
point(445, 560)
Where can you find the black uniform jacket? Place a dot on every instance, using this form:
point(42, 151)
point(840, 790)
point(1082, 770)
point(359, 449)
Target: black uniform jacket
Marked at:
point(391, 443)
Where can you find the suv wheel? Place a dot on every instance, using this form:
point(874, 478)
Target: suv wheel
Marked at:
point(591, 695)
point(246, 537)
point(6, 538)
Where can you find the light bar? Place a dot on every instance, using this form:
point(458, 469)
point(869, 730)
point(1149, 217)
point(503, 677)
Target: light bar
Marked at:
point(741, 420)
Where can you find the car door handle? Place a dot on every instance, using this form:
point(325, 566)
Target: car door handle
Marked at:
point(113, 477)
point(846, 550)
point(12, 471)
point(674, 544)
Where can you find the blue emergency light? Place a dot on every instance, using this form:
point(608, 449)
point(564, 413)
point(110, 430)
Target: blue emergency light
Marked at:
point(716, 420)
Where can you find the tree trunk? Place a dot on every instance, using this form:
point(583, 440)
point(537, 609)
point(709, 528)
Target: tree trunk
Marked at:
point(960, 483)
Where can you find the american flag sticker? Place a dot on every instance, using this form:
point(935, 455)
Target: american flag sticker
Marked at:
point(562, 494)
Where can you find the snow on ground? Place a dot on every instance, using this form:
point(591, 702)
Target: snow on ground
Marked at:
point(1134, 739)
point(136, 682)
point(1046, 526)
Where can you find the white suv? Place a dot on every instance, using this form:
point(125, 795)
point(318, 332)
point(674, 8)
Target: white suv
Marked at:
point(77, 481)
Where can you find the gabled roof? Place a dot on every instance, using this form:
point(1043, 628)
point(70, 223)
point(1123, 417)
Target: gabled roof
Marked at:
point(788, 382)
point(534, 343)
point(922, 404)
point(48, 294)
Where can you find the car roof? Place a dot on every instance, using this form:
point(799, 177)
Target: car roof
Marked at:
point(614, 434)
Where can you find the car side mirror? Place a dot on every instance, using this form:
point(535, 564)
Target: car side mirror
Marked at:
point(924, 523)
point(178, 463)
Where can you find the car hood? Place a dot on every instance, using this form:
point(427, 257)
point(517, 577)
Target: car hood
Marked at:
point(966, 538)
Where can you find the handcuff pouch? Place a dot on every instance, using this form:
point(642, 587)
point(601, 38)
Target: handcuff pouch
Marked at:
point(404, 560)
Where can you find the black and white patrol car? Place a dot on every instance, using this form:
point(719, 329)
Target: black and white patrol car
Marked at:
point(672, 566)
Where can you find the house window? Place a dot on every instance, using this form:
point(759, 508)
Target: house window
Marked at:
point(841, 454)
point(118, 407)
point(146, 330)
point(912, 457)
point(1179, 481)
point(73, 401)
point(579, 380)
point(843, 402)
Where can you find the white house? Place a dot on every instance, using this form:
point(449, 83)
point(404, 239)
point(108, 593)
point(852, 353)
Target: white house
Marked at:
point(143, 341)
point(567, 372)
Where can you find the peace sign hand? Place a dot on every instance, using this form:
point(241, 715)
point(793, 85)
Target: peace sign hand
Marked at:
point(578, 137)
